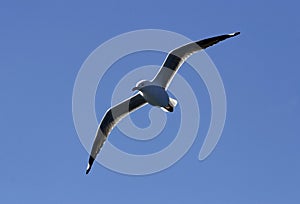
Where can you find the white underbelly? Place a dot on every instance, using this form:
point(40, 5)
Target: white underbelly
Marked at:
point(156, 96)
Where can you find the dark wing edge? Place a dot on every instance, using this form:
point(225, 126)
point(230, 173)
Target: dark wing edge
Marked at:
point(177, 56)
point(110, 119)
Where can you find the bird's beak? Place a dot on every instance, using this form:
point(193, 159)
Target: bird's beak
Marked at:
point(134, 89)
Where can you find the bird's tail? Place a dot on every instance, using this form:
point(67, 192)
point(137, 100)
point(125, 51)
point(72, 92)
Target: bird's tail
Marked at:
point(172, 102)
point(171, 105)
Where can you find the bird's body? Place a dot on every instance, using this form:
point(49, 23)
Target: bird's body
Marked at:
point(152, 92)
point(155, 95)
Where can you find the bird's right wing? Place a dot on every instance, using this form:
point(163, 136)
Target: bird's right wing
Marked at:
point(177, 56)
point(111, 118)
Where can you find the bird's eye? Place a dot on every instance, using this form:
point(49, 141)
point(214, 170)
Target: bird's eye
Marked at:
point(142, 84)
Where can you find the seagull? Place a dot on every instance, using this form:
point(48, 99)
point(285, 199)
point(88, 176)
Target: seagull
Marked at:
point(152, 92)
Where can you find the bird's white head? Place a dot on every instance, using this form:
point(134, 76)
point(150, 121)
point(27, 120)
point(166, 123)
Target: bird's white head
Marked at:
point(141, 84)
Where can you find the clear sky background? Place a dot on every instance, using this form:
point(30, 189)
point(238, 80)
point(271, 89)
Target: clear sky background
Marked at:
point(42, 47)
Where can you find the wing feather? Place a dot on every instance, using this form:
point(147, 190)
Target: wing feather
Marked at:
point(177, 56)
point(110, 119)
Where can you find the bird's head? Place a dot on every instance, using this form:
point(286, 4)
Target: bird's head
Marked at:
point(141, 84)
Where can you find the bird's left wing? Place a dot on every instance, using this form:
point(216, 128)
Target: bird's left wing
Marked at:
point(177, 56)
point(110, 119)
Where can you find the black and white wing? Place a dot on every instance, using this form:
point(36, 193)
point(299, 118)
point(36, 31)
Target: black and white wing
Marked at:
point(110, 119)
point(177, 56)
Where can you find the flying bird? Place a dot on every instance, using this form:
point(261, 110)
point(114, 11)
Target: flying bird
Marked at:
point(152, 92)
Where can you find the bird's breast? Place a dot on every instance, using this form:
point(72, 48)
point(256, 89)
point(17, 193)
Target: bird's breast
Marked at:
point(155, 95)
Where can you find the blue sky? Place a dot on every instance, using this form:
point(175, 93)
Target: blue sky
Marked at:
point(43, 45)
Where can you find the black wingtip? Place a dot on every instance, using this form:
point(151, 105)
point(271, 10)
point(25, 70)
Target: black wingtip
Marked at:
point(91, 161)
point(236, 33)
point(87, 170)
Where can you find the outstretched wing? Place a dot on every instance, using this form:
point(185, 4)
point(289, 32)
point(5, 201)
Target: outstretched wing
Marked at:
point(177, 56)
point(110, 119)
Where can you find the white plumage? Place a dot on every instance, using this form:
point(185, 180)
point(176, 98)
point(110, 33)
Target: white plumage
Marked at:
point(153, 92)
